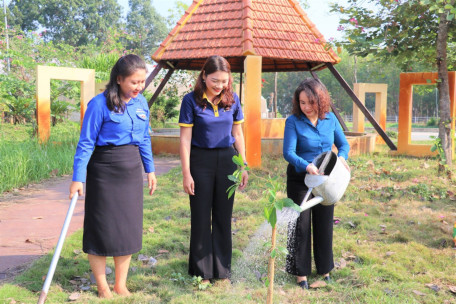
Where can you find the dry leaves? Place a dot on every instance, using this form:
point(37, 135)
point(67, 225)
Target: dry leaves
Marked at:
point(433, 287)
point(74, 296)
point(318, 284)
point(418, 293)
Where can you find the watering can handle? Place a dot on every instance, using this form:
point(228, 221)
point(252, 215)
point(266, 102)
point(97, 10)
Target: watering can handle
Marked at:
point(324, 163)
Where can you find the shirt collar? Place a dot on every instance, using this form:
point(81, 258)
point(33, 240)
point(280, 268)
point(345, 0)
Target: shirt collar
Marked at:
point(216, 103)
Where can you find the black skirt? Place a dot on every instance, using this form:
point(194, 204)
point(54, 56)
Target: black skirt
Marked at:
point(113, 218)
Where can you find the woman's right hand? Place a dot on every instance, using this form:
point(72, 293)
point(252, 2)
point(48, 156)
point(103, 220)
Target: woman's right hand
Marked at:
point(312, 169)
point(76, 186)
point(189, 184)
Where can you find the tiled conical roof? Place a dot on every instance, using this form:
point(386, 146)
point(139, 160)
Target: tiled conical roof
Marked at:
point(277, 30)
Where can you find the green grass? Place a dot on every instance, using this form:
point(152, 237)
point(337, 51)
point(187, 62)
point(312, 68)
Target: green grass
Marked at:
point(23, 160)
point(393, 236)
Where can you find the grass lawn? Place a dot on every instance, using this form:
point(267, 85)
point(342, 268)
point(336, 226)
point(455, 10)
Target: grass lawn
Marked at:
point(24, 160)
point(392, 244)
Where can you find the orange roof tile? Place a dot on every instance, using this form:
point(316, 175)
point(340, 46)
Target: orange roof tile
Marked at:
point(277, 30)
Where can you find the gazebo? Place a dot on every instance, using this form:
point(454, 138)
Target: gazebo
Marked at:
point(255, 36)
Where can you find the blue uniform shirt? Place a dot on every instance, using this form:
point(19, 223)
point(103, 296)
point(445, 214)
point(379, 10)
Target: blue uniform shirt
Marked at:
point(211, 126)
point(102, 127)
point(303, 141)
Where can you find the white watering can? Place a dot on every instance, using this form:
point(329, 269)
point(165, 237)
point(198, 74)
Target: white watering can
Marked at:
point(329, 187)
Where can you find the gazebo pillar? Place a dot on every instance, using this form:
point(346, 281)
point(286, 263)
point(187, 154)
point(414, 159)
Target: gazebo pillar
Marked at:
point(252, 110)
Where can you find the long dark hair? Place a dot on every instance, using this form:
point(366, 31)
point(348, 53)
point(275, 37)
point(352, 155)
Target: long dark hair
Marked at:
point(124, 67)
point(214, 64)
point(317, 94)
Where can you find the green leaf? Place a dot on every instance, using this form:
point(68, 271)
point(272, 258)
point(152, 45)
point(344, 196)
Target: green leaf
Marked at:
point(266, 213)
point(231, 191)
point(273, 217)
point(232, 178)
point(450, 17)
point(266, 282)
point(273, 253)
point(237, 159)
point(278, 204)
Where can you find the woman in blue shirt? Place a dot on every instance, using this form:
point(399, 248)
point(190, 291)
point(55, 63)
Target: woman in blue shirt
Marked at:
point(210, 124)
point(311, 130)
point(113, 148)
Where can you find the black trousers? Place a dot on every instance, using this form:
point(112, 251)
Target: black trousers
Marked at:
point(211, 210)
point(319, 221)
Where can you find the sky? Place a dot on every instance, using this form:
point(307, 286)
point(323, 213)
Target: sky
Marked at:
point(318, 12)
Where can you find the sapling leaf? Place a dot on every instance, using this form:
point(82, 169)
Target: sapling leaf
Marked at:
point(266, 213)
point(278, 204)
point(273, 217)
point(282, 250)
point(266, 282)
point(290, 204)
point(273, 253)
point(232, 178)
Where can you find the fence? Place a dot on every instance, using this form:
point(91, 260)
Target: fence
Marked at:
point(395, 119)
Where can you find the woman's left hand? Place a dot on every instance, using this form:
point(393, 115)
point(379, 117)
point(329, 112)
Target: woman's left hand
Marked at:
point(344, 162)
point(245, 179)
point(152, 182)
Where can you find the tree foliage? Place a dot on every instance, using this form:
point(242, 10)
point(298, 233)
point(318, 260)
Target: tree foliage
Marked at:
point(73, 22)
point(402, 31)
point(146, 27)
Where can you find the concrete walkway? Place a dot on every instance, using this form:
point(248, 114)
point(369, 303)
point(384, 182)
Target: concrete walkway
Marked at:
point(31, 219)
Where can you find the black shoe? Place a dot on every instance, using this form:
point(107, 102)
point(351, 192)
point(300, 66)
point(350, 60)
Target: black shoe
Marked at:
point(327, 279)
point(303, 284)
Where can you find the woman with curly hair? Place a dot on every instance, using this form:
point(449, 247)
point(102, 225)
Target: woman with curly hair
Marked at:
point(311, 130)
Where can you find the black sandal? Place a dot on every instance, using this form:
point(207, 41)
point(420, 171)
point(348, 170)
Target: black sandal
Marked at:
point(303, 284)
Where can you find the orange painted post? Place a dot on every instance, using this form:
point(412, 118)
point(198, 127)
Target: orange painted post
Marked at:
point(358, 117)
point(407, 80)
point(252, 110)
point(44, 74)
point(381, 91)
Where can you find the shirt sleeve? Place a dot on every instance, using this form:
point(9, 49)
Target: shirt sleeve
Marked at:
point(91, 125)
point(186, 116)
point(238, 116)
point(290, 141)
point(340, 140)
point(145, 147)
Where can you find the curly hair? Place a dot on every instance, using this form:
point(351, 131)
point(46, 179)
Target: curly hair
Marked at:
point(214, 64)
point(317, 94)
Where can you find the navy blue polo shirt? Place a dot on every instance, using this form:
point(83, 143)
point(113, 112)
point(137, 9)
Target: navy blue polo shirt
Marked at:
point(212, 125)
point(102, 127)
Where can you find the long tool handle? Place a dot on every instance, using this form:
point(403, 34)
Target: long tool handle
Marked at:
point(58, 249)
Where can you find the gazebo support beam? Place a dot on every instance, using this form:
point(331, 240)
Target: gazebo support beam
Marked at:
point(333, 107)
point(152, 75)
point(362, 108)
point(160, 87)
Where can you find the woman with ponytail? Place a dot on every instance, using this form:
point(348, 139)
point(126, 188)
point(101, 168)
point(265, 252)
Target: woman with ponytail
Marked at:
point(113, 149)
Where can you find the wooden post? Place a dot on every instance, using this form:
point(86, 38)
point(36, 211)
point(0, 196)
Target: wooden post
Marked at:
point(160, 87)
point(271, 268)
point(363, 109)
point(152, 75)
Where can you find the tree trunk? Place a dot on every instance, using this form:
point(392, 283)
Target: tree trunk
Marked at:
point(444, 91)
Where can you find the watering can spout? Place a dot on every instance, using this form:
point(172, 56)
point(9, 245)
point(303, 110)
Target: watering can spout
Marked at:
point(310, 203)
